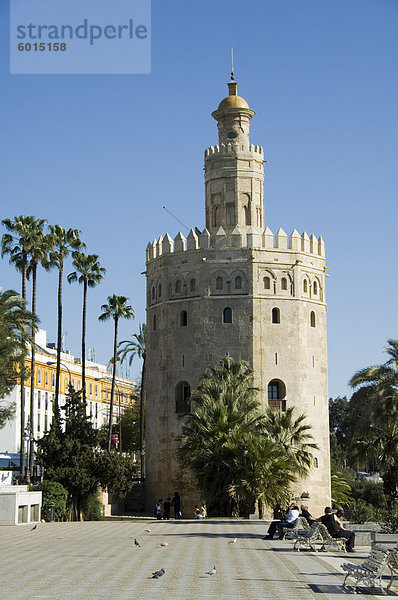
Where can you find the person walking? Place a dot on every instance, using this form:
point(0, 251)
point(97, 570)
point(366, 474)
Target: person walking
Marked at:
point(176, 502)
point(166, 508)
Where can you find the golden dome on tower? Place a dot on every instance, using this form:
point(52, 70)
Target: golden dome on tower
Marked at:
point(233, 100)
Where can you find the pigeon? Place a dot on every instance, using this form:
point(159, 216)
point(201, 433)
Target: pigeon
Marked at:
point(212, 571)
point(33, 528)
point(233, 541)
point(158, 574)
point(147, 530)
point(136, 543)
point(164, 544)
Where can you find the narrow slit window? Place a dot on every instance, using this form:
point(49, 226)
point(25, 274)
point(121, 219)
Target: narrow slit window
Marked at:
point(183, 318)
point(284, 283)
point(315, 288)
point(312, 319)
point(192, 285)
point(267, 283)
point(305, 286)
point(238, 282)
point(219, 283)
point(177, 286)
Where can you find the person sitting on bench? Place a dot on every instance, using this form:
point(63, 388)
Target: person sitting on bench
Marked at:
point(336, 529)
point(290, 521)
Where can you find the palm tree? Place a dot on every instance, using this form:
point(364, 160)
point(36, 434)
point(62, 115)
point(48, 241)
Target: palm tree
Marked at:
point(17, 244)
point(132, 348)
point(88, 272)
point(117, 308)
point(38, 253)
point(216, 436)
point(377, 435)
point(62, 240)
point(293, 437)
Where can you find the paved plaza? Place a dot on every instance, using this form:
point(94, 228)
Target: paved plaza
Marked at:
point(99, 561)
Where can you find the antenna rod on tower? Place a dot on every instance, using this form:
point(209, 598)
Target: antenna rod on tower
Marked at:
point(176, 218)
point(232, 64)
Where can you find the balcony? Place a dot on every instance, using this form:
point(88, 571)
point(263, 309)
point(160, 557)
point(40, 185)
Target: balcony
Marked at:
point(277, 404)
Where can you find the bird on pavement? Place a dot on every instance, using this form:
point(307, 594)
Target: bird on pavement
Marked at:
point(147, 530)
point(158, 574)
point(164, 544)
point(33, 528)
point(233, 541)
point(212, 571)
point(136, 543)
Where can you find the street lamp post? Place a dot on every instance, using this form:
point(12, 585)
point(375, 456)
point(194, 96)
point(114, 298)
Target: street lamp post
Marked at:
point(29, 439)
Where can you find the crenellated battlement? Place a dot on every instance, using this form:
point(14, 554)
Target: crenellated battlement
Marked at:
point(233, 148)
point(262, 240)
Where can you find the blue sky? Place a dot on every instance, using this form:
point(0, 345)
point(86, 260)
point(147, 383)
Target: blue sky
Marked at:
point(105, 153)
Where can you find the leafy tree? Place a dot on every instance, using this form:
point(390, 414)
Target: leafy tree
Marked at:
point(116, 309)
point(54, 493)
point(130, 349)
point(237, 453)
point(62, 241)
point(293, 437)
point(377, 429)
point(341, 490)
point(17, 243)
point(14, 319)
point(130, 426)
point(89, 273)
point(73, 457)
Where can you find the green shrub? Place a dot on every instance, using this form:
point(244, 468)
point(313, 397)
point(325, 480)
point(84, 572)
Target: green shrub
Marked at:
point(92, 508)
point(53, 493)
point(362, 512)
point(369, 491)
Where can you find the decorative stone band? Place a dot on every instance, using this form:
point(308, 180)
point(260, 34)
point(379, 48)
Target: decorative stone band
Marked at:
point(249, 238)
point(231, 148)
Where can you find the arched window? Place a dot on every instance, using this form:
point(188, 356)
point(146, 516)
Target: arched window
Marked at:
point(154, 323)
point(177, 286)
point(67, 382)
point(183, 318)
point(153, 292)
point(39, 376)
point(219, 283)
point(312, 319)
point(46, 378)
point(238, 282)
point(305, 286)
point(96, 390)
point(160, 290)
point(284, 283)
point(79, 385)
point(267, 283)
point(277, 394)
point(53, 379)
point(276, 315)
point(315, 287)
point(192, 285)
point(227, 315)
point(182, 395)
point(91, 389)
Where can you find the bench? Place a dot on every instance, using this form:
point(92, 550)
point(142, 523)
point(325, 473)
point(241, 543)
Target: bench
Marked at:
point(369, 571)
point(392, 562)
point(290, 532)
point(330, 542)
point(305, 537)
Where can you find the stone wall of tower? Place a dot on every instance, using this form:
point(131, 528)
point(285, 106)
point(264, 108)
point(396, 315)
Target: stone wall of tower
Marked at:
point(184, 278)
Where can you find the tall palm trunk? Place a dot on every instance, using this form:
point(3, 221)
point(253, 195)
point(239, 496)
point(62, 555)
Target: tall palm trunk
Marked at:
point(84, 318)
point(32, 369)
point(113, 383)
point(59, 341)
point(22, 380)
point(142, 417)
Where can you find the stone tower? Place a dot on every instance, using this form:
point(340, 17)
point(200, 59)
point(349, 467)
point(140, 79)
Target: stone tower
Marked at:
point(235, 288)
